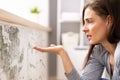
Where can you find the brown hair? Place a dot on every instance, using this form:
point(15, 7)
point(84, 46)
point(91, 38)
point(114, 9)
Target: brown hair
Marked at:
point(104, 8)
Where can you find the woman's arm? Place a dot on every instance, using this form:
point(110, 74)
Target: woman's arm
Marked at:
point(92, 71)
point(68, 66)
point(59, 50)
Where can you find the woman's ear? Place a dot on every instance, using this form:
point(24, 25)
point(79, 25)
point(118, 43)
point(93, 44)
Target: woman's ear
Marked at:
point(109, 20)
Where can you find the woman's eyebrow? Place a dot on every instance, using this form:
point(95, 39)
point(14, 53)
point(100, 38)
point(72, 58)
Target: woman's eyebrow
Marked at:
point(86, 19)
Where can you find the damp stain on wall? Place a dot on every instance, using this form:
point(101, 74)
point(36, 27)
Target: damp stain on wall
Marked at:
point(18, 60)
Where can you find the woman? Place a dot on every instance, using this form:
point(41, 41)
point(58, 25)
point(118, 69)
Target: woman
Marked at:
point(101, 24)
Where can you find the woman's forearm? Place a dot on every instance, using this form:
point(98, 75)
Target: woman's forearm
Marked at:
point(68, 66)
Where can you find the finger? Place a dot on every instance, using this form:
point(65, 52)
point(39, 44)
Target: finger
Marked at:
point(49, 49)
point(38, 49)
point(52, 45)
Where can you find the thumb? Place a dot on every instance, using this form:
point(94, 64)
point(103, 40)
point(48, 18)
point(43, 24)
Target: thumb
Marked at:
point(52, 45)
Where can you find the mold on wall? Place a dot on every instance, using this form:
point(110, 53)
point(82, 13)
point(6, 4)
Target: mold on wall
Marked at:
point(18, 60)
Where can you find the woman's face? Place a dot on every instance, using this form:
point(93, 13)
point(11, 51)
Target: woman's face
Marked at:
point(95, 27)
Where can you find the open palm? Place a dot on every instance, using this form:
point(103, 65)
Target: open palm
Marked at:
point(52, 49)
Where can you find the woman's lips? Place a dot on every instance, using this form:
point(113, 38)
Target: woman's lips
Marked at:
point(89, 37)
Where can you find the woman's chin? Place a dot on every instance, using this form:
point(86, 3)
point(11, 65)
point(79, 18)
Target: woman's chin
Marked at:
point(92, 42)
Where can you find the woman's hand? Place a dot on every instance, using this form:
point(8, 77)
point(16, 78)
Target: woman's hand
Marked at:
point(68, 66)
point(52, 49)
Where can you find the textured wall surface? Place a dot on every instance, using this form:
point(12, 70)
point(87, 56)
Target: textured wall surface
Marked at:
point(18, 61)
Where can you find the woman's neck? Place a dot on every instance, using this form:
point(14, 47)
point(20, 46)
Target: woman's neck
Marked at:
point(109, 47)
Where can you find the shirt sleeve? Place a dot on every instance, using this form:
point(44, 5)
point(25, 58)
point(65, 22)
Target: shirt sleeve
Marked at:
point(92, 71)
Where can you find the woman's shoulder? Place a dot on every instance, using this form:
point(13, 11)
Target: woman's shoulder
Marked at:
point(118, 44)
point(99, 49)
point(117, 50)
point(100, 53)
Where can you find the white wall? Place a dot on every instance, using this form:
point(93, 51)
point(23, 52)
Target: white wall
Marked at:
point(22, 8)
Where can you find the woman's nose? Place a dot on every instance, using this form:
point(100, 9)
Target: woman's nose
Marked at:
point(84, 28)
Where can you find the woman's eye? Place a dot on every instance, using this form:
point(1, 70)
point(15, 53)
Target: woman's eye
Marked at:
point(89, 21)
